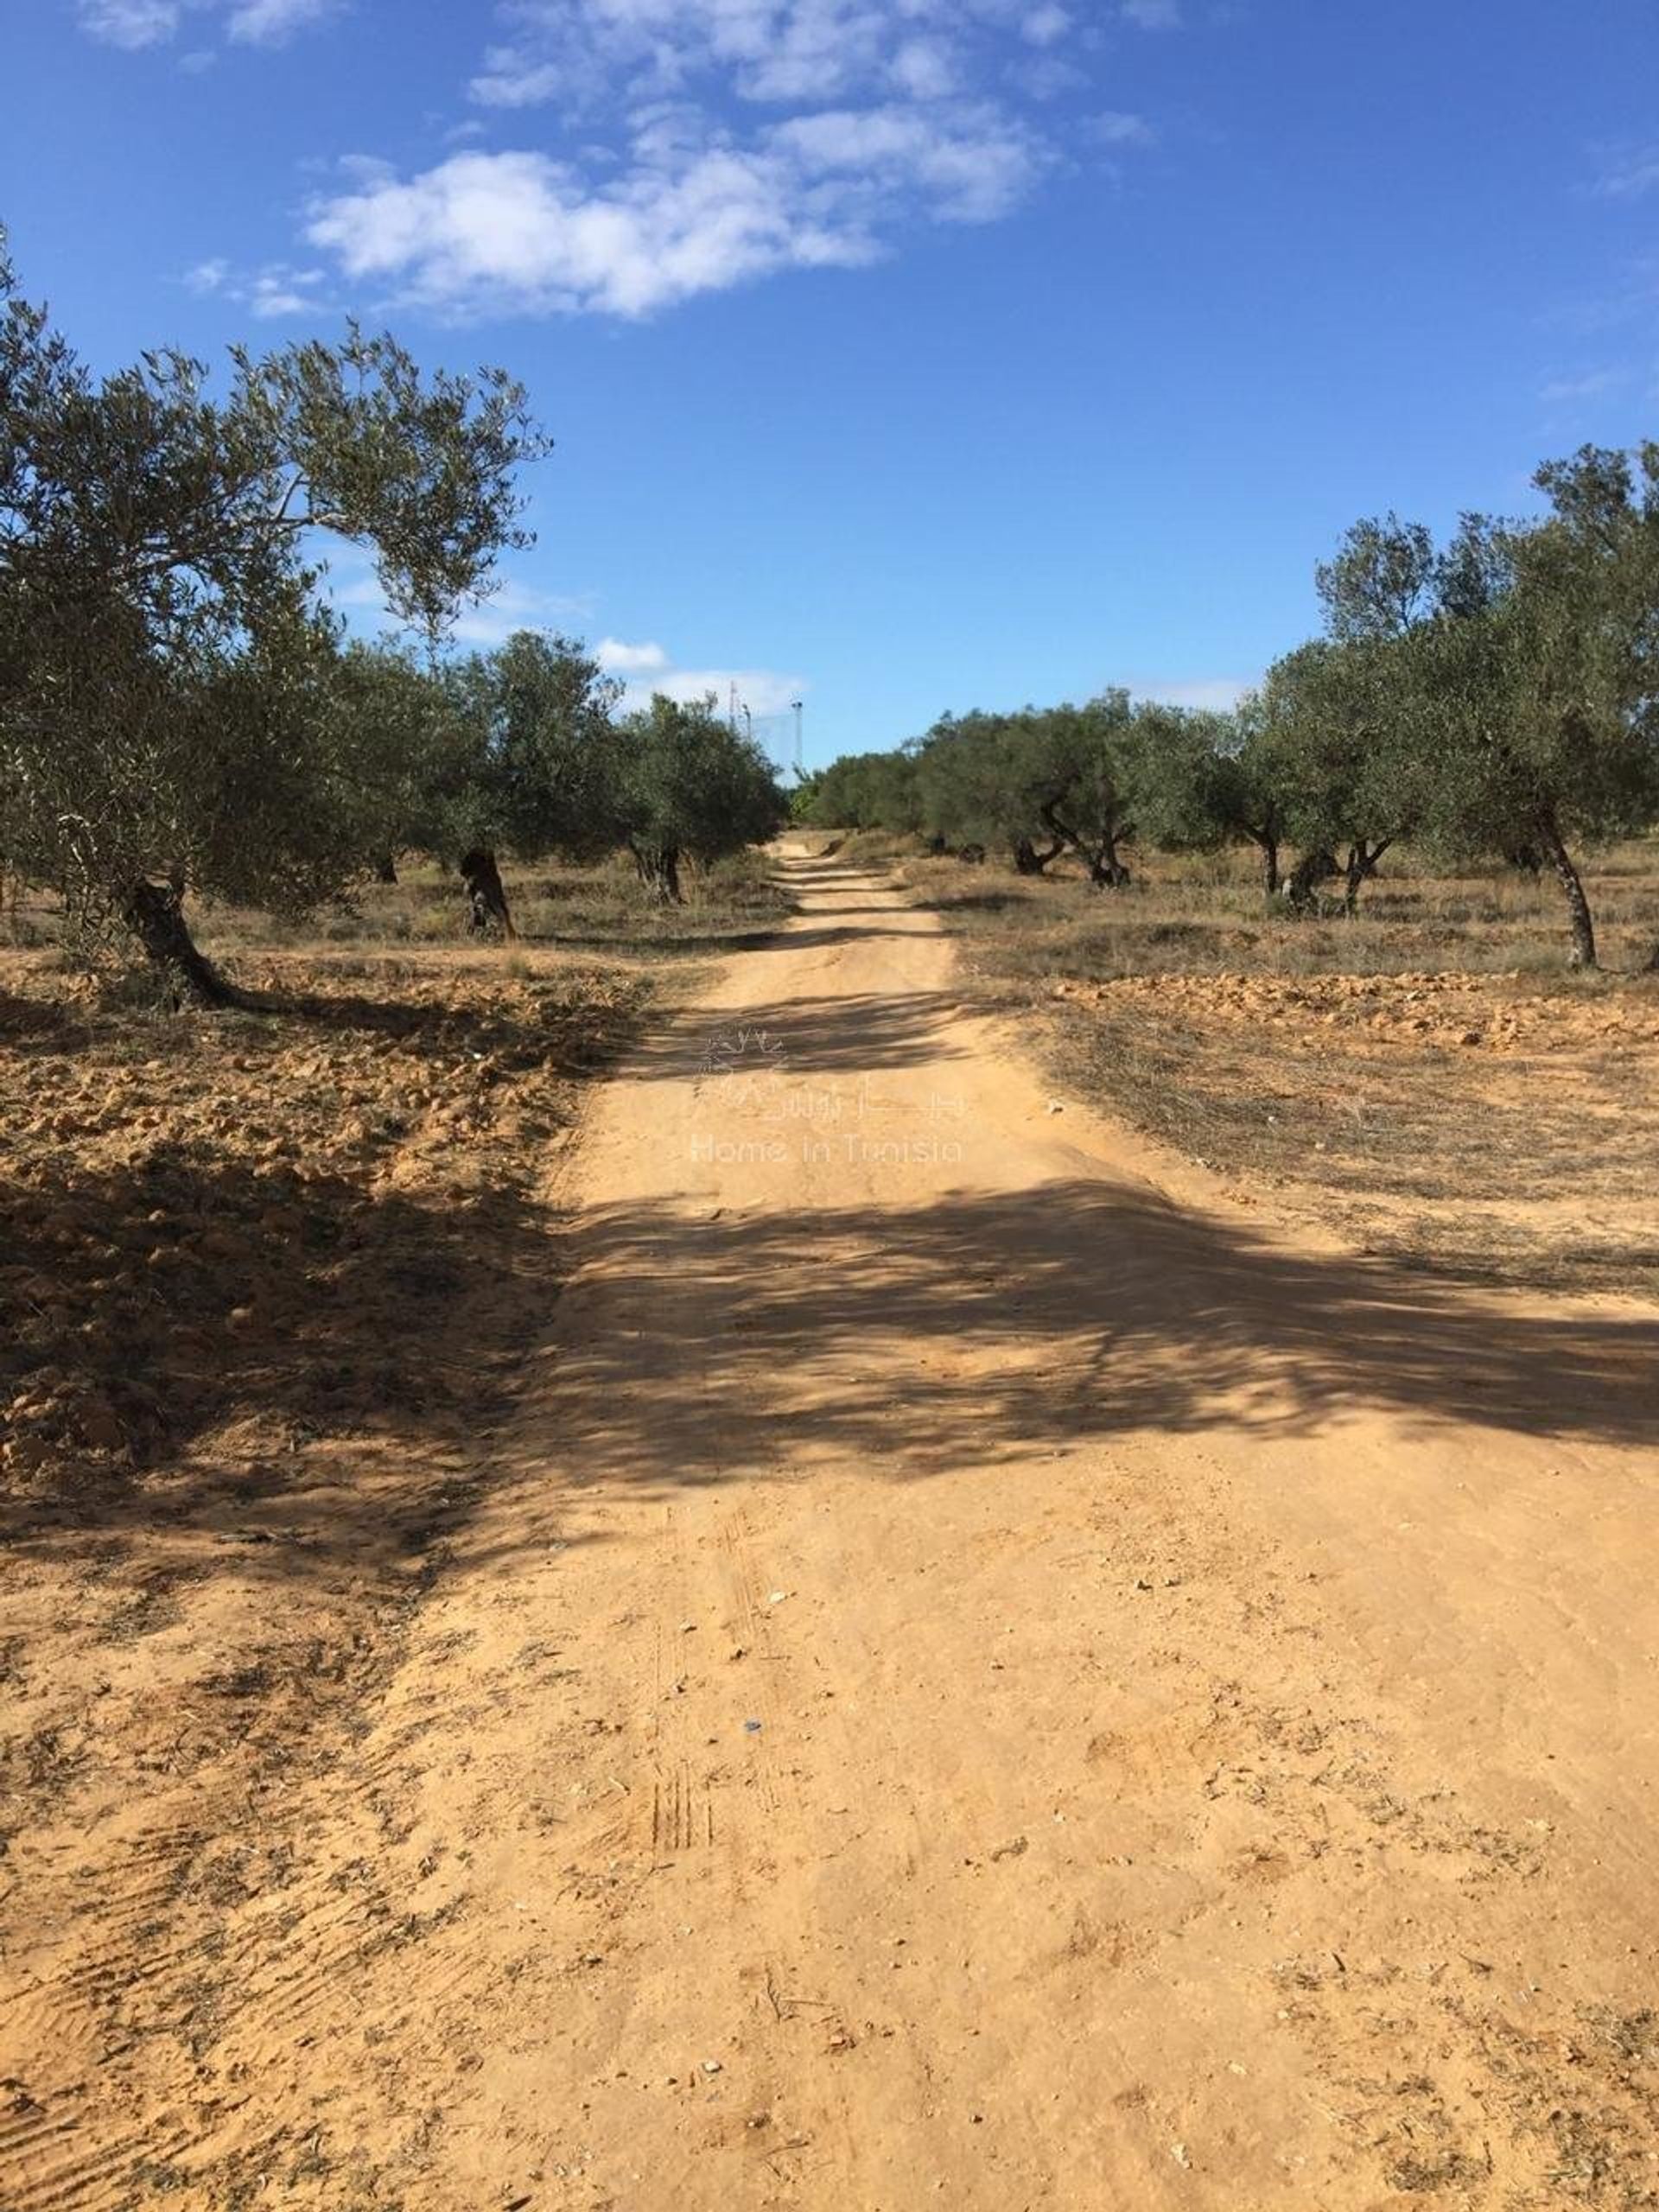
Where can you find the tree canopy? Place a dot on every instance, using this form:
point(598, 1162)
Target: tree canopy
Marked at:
point(1494, 697)
point(174, 711)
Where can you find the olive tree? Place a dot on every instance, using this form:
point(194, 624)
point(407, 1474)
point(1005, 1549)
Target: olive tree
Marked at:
point(1546, 731)
point(1204, 780)
point(688, 786)
point(1508, 684)
point(169, 714)
point(1325, 743)
point(1096, 750)
point(866, 790)
point(522, 761)
point(981, 780)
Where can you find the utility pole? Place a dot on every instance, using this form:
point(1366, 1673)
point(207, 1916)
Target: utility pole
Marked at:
point(800, 760)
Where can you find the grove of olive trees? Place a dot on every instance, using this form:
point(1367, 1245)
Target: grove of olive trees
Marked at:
point(180, 711)
point(1496, 698)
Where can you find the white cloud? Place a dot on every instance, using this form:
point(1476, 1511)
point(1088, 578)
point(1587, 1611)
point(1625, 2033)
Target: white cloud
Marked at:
point(617, 659)
point(1153, 15)
point(1114, 128)
point(762, 690)
point(714, 142)
point(1214, 694)
point(1043, 26)
point(268, 22)
point(131, 22)
point(1627, 176)
point(278, 290)
point(1594, 384)
point(135, 23)
point(690, 213)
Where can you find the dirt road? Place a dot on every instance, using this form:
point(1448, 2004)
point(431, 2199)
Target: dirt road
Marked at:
point(978, 1676)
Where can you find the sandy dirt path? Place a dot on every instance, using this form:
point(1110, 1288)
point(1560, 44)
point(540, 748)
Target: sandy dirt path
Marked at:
point(980, 1675)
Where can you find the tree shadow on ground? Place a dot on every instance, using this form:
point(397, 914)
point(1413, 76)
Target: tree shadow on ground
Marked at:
point(865, 1033)
point(979, 902)
point(906, 1343)
point(926, 1340)
point(150, 1307)
point(564, 1032)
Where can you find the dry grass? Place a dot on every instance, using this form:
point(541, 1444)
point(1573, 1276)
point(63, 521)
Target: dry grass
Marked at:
point(598, 910)
point(1428, 1077)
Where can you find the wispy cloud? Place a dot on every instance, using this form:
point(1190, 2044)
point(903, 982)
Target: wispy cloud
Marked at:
point(132, 23)
point(137, 23)
point(691, 212)
point(268, 22)
point(275, 291)
point(647, 669)
point(1115, 128)
point(1593, 384)
point(1214, 694)
point(1628, 174)
point(1045, 26)
point(727, 140)
point(1153, 15)
point(618, 659)
point(354, 588)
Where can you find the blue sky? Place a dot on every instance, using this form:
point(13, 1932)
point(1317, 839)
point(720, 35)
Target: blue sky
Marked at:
point(901, 354)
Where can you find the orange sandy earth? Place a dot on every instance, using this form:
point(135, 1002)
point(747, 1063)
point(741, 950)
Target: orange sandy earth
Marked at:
point(1498, 1015)
point(977, 1673)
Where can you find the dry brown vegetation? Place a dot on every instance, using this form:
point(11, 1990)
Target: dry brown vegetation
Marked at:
point(1426, 1077)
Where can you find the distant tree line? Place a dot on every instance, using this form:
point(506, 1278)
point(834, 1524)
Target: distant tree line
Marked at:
point(1494, 697)
point(180, 712)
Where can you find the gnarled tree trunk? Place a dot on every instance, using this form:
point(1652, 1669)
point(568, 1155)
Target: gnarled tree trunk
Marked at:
point(1268, 844)
point(659, 871)
point(154, 915)
point(1361, 866)
point(1028, 860)
point(386, 868)
point(1302, 884)
point(486, 893)
point(1107, 872)
point(1554, 847)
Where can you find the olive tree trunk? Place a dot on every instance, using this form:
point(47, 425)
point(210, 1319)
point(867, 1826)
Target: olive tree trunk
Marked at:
point(1554, 847)
point(659, 867)
point(1361, 866)
point(1099, 854)
point(1267, 844)
point(1302, 884)
point(154, 915)
point(1028, 860)
point(487, 894)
